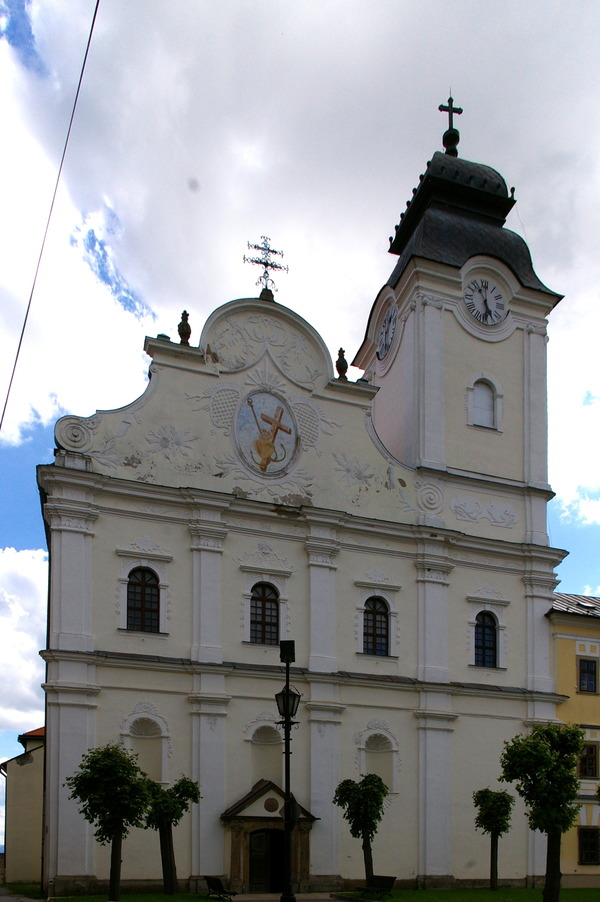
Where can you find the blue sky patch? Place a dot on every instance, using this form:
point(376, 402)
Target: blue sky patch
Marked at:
point(15, 28)
point(92, 239)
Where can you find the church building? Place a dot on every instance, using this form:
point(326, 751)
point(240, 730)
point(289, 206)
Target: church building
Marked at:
point(393, 527)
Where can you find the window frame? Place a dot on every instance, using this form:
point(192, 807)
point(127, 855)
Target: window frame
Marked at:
point(147, 611)
point(497, 402)
point(146, 554)
point(580, 856)
point(586, 758)
point(493, 602)
point(266, 625)
point(371, 632)
point(376, 585)
point(583, 660)
point(481, 645)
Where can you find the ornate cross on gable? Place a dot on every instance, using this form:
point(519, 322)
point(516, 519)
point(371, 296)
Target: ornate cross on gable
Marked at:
point(266, 262)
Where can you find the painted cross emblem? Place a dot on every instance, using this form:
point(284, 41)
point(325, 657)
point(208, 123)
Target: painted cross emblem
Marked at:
point(266, 433)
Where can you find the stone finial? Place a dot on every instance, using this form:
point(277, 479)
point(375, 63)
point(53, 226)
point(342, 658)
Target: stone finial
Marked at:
point(341, 366)
point(184, 329)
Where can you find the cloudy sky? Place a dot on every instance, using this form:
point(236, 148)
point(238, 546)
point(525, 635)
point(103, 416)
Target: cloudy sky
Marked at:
point(203, 124)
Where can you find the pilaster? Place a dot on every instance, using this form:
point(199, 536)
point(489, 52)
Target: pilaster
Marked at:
point(70, 620)
point(322, 548)
point(325, 720)
point(208, 535)
point(433, 570)
point(209, 710)
point(435, 728)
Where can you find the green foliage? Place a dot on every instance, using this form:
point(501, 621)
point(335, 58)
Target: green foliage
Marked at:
point(111, 790)
point(362, 803)
point(543, 767)
point(167, 806)
point(494, 809)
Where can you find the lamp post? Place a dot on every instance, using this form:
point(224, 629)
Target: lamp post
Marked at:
point(287, 700)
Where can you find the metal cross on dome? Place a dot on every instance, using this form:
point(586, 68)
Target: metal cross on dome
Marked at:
point(450, 109)
point(266, 262)
point(451, 136)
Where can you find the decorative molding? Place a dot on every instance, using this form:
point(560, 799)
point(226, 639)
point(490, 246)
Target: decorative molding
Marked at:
point(487, 594)
point(321, 552)
point(264, 560)
point(432, 569)
point(497, 513)
point(71, 517)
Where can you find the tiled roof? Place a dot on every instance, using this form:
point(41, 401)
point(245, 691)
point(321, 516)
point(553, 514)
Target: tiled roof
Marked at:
point(584, 605)
point(39, 732)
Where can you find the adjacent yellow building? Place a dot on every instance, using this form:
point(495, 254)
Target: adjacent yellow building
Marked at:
point(575, 622)
point(24, 809)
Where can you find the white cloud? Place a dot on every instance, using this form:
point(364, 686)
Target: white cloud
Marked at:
point(23, 588)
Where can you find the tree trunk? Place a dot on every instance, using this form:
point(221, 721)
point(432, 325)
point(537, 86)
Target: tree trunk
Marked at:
point(167, 854)
point(368, 856)
point(494, 861)
point(552, 884)
point(114, 886)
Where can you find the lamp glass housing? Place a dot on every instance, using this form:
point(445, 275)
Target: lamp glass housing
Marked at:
point(287, 700)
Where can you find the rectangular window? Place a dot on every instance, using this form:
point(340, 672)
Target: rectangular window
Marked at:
point(588, 762)
point(587, 677)
point(589, 847)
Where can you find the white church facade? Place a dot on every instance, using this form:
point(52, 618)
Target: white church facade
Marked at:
point(393, 527)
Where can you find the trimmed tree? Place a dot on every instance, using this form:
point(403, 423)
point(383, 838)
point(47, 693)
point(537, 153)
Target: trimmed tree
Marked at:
point(167, 807)
point(493, 817)
point(363, 809)
point(113, 795)
point(543, 767)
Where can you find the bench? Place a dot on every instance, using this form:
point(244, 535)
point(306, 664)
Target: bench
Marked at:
point(379, 886)
point(216, 888)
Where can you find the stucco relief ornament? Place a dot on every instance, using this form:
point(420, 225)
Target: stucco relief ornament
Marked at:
point(240, 340)
point(429, 497)
point(498, 514)
point(265, 558)
point(170, 442)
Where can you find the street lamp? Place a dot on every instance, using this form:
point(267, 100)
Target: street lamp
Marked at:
point(287, 700)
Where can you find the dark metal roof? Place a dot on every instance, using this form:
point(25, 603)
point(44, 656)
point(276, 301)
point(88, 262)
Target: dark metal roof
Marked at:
point(458, 211)
point(583, 605)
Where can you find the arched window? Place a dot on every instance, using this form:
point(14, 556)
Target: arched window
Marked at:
point(484, 405)
point(143, 601)
point(266, 757)
point(379, 758)
point(264, 614)
point(376, 627)
point(486, 645)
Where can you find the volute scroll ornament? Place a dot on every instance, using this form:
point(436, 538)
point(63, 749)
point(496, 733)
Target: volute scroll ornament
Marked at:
point(75, 433)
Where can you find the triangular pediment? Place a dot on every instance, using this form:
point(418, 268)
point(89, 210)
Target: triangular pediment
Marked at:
point(264, 800)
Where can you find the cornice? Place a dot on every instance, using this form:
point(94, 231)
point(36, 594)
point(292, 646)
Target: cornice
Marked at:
point(398, 682)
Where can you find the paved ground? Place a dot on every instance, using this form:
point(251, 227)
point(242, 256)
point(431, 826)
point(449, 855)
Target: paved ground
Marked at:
point(7, 896)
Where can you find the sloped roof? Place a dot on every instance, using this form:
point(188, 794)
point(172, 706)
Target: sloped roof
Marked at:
point(261, 788)
point(583, 605)
point(38, 733)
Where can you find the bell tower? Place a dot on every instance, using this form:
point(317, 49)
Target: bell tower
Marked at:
point(456, 339)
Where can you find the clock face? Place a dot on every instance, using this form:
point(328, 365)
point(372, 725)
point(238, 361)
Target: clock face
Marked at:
point(484, 301)
point(386, 333)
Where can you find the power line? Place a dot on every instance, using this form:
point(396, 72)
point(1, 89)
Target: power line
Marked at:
point(50, 211)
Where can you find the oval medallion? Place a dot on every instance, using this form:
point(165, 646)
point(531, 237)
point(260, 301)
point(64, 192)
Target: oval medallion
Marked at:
point(266, 433)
